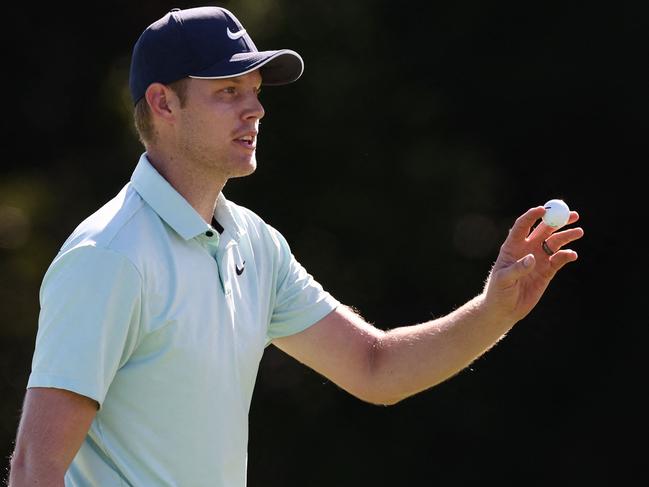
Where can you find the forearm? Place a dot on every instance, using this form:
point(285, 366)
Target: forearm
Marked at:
point(410, 359)
point(26, 472)
point(384, 367)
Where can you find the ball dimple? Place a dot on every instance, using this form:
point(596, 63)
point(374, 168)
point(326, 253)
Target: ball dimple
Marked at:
point(557, 213)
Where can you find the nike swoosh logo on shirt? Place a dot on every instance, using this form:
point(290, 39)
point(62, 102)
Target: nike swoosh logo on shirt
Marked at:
point(235, 35)
point(240, 271)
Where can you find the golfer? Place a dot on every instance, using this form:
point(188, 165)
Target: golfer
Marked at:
point(157, 309)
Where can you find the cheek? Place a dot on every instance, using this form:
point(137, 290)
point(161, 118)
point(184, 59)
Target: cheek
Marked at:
point(195, 127)
point(216, 124)
point(208, 122)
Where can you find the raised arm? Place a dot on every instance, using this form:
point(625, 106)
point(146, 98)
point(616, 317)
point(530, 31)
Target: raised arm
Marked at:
point(52, 428)
point(386, 367)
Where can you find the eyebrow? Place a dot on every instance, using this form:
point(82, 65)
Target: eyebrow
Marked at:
point(236, 80)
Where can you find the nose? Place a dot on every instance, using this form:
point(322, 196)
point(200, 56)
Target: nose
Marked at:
point(255, 110)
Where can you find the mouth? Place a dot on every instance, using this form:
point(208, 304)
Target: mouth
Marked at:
point(248, 140)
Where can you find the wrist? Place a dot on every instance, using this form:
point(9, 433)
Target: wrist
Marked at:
point(491, 310)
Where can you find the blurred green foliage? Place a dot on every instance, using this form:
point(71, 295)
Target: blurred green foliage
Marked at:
point(394, 167)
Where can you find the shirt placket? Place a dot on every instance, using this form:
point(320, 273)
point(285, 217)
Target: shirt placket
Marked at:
point(218, 247)
point(211, 240)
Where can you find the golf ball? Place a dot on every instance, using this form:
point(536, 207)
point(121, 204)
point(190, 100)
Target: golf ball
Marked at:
point(557, 213)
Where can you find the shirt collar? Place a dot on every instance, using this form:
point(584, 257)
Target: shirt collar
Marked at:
point(173, 208)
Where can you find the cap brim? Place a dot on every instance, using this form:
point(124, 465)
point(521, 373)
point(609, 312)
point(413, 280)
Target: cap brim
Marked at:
point(277, 67)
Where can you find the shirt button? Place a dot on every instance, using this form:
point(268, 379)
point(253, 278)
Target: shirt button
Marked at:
point(209, 233)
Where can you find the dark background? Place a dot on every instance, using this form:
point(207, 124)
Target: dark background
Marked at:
point(417, 134)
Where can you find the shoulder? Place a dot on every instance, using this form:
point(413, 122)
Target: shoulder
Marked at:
point(113, 219)
point(109, 238)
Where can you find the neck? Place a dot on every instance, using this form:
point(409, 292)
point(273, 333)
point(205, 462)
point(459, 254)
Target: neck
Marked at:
point(198, 186)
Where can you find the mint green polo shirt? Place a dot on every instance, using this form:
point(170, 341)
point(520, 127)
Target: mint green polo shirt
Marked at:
point(151, 312)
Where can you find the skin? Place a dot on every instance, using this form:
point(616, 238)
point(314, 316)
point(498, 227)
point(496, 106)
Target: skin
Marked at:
point(198, 149)
point(53, 425)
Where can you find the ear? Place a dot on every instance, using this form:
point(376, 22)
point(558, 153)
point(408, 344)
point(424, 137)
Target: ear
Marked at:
point(162, 101)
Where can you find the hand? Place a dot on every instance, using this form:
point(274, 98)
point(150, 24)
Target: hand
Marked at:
point(523, 269)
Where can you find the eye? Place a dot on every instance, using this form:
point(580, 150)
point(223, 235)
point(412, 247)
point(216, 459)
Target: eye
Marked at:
point(230, 90)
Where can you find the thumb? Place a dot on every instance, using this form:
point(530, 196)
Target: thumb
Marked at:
point(518, 269)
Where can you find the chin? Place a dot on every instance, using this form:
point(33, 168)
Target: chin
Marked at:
point(245, 169)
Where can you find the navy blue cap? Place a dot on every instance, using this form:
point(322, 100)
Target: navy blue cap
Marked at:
point(204, 43)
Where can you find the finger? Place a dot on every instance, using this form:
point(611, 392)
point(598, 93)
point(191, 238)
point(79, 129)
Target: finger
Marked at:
point(520, 268)
point(542, 231)
point(574, 216)
point(561, 258)
point(523, 224)
point(557, 240)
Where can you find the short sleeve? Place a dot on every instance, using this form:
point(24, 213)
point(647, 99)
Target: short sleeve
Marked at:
point(88, 323)
point(300, 301)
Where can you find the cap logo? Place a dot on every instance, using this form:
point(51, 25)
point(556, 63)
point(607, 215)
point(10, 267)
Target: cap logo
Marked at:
point(236, 35)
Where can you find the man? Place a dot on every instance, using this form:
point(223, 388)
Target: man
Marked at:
point(157, 309)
